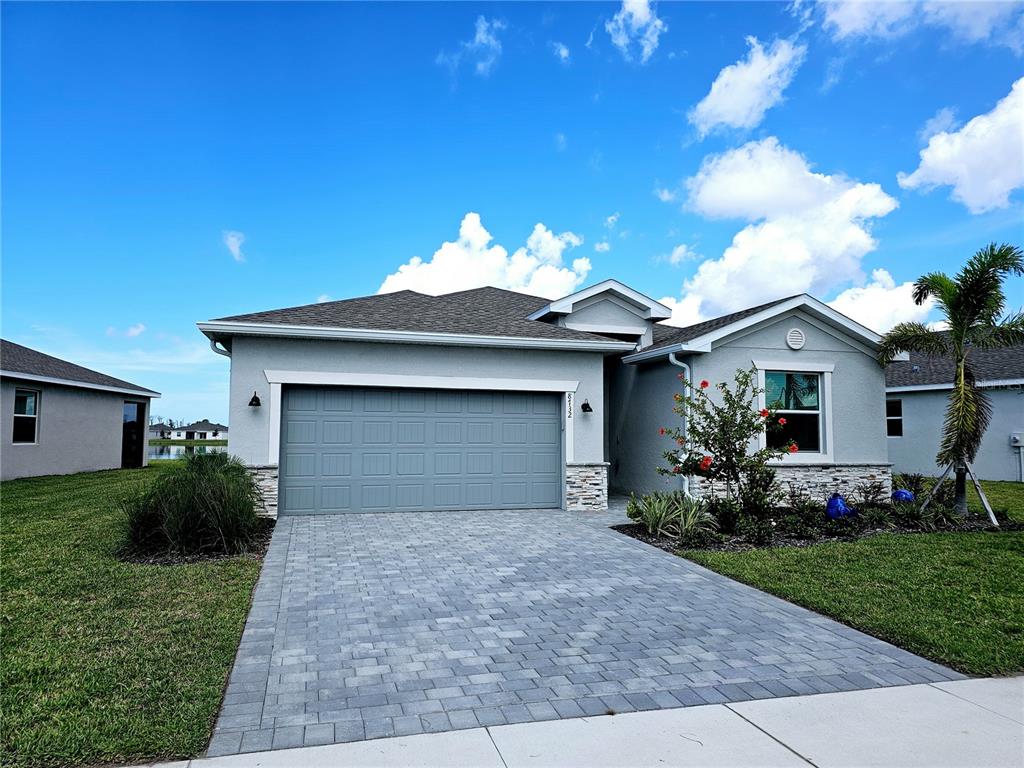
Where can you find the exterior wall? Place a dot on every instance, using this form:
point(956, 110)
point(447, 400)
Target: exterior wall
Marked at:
point(643, 399)
point(923, 414)
point(819, 481)
point(250, 435)
point(606, 315)
point(79, 430)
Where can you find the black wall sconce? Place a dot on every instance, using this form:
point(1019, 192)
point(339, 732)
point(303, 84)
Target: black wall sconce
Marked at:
point(254, 401)
point(586, 407)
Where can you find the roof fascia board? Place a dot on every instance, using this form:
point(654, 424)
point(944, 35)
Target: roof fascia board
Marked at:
point(213, 328)
point(337, 378)
point(949, 385)
point(77, 384)
point(652, 309)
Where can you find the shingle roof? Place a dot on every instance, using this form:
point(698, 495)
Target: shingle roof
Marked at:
point(987, 364)
point(667, 336)
point(202, 426)
point(479, 311)
point(14, 359)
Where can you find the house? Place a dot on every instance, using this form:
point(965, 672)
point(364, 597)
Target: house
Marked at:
point(917, 391)
point(60, 418)
point(200, 430)
point(160, 431)
point(491, 399)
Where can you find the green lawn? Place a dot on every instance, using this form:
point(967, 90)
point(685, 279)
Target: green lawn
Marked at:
point(104, 661)
point(956, 598)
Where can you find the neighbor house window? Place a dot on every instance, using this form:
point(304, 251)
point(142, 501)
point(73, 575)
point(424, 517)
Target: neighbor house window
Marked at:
point(26, 415)
point(894, 418)
point(795, 397)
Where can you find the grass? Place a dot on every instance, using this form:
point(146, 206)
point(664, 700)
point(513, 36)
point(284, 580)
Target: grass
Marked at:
point(102, 660)
point(956, 598)
point(157, 441)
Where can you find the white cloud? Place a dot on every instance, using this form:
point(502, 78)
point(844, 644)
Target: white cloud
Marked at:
point(323, 298)
point(483, 50)
point(680, 254)
point(743, 92)
point(636, 24)
point(969, 22)
point(611, 221)
point(685, 310)
point(233, 240)
point(983, 161)
point(561, 142)
point(561, 51)
point(807, 231)
point(130, 332)
point(664, 194)
point(881, 303)
point(603, 246)
point(472, 261)
point(942, 121)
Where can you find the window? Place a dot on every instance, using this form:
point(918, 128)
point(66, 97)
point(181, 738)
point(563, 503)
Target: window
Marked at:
point(26, 415)
point(796, 397)
point(894, 418)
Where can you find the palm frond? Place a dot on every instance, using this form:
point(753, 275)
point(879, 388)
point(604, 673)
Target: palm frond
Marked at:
point(911, 337)
point(967, 416)
point(1006, 333)
point(936, 284)
point(980, 282)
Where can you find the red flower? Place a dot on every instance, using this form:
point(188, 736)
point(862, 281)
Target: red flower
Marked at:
point(681, 441)
point(764, 413)
point(661, 431)
point(704, 383)
point(782, 422)
point(793, 448)
point(677, 469)
point(705, 463)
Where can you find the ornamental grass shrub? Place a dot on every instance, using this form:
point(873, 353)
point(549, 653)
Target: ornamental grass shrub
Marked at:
point(205, 504)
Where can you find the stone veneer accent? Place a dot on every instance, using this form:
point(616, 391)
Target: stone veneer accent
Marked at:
point(586, 486)
point(266, 479)
point(820, 481)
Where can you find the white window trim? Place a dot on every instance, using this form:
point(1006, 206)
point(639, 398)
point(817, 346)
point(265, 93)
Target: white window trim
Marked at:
point(39, 396)
point(889, 418)
point(825, 370)
point(276, 379)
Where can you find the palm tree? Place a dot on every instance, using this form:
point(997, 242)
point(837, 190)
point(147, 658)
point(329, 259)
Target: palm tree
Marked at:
point(973, 304)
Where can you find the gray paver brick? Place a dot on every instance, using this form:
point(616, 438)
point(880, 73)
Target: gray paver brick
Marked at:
point(486, 618)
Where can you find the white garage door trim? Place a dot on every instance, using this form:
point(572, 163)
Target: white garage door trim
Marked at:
point(341, 379)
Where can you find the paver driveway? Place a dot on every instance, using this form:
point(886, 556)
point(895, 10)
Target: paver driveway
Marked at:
point(372, 625)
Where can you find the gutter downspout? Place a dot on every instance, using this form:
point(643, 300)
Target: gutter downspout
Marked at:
point(686, 408)
point(218, 350)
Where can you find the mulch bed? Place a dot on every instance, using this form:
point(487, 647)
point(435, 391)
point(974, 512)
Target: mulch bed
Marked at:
point(739, 544)
point(257, 550)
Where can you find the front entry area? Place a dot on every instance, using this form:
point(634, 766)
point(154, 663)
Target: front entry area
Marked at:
point(368, 449)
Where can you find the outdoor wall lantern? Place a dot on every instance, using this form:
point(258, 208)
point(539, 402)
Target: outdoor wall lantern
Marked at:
point(586, 407)
point(254, 402)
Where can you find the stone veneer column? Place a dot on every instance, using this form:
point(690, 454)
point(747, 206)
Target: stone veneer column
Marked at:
point(586, 486)
point(266, 479)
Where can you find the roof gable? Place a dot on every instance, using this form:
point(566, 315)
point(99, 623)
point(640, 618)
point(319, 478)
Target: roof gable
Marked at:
point(19, 361)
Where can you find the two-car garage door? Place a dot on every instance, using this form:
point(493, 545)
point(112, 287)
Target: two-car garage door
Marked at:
point(349, 449)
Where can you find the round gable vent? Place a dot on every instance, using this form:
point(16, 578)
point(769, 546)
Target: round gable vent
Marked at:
point(795, 338)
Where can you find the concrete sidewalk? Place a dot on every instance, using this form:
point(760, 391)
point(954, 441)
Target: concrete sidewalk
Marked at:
point(963, 724)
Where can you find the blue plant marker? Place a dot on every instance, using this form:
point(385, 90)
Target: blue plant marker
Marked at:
point(903, 496)
point(837, 507)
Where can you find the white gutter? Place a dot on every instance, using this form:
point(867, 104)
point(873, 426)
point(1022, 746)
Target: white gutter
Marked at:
point(686, 409)
point(221, 350)
point(225, 328)
point(78, 384)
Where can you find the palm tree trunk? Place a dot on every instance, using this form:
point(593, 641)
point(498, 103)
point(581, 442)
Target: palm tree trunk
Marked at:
point(960, 491)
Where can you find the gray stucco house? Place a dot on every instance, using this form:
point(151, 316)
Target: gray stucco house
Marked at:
point(916, 394)
point(60, 418)
point(493, 399)
point(203, 429)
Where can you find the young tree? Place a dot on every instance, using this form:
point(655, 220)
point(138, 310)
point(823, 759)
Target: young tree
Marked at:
point(974, 307)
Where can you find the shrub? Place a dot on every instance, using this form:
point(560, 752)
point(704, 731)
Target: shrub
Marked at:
point(205, 503)
point(910, 481)
point(871, 493)
point(877, 517)
point(803, 519)
point(726, 513)
point(652, 510)
point(696, 525)
point(759, 494)
point(673, 515)
point(759, 531)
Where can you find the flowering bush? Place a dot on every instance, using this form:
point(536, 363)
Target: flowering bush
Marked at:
point(720, 441)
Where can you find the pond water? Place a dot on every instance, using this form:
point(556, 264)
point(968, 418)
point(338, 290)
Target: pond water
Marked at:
point(177, 451)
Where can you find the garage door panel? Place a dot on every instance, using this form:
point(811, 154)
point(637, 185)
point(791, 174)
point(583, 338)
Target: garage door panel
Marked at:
point(361, 449)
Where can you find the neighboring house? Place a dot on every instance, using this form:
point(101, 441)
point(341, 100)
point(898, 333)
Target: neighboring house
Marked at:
point(917, 391)
point(60, 418)
point(490, 399)
point(200, 430)
point(160, 431)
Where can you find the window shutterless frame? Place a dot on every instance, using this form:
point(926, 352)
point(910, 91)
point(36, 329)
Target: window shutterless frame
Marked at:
point(894, 418)
point(25, 430)
point(825, 452)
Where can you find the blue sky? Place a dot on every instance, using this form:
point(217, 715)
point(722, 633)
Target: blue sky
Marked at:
point(168, 163)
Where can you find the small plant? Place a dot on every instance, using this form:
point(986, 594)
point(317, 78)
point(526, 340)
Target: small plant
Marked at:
point(726, 512)
point(655, 511)
point(759, 531)
point(803, 520)
point(875, 518)
point(910, 481)
point(871, 493)
point(696, 525)
point(206, 503)
point(759, 495)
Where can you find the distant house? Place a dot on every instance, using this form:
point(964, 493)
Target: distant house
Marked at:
point(916, 394)
point(160, 431)
point(59, 418)
point(200, 430)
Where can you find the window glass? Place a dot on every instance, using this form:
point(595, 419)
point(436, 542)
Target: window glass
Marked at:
point(803, 428)
point(24, 402)
point(791, 391)
point(131, 412)
point(893, 408)
point(894, 418)
point(26, 411)
point(894, 427)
